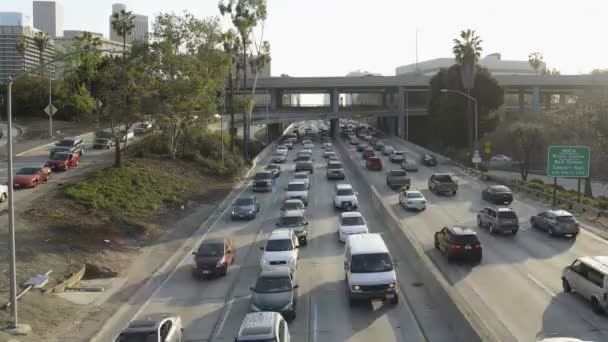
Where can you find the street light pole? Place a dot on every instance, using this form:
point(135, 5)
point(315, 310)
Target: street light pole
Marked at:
point(217, 116)
point(476, 117)
point(50, 101)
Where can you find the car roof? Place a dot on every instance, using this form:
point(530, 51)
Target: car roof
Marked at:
point(366, 244)
point(293, 200)
point(343, 186)
point(399, 152)
point(149, 322)
point(297, 182)
point(598, 262)
point(259, 324)
point(351, 214)
point(373, 158)
point(292, 213)
point(499, 187)
point(264, 172)
point(461, 231)
point(301, 174)
point(280, 234)
point(502, 209)
point(560, 212)
point(69, 139)
point(413, 192)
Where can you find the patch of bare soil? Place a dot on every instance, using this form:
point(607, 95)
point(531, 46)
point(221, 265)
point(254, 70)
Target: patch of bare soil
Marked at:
point(55, 233)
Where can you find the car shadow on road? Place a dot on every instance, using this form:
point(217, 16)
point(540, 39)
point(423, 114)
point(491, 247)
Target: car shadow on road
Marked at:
point(569, 315)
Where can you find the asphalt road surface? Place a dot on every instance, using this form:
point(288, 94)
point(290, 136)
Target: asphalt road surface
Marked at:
point(517, 288)
point(212, 310)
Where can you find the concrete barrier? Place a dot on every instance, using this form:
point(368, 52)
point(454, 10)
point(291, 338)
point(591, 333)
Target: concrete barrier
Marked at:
point(472, 327)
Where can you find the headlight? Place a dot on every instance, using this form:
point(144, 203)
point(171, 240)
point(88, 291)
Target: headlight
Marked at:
point(356, 288)
point(292, 259)
point(263, 262)
point(250, 211)
point(220, 263)
point(392, 285)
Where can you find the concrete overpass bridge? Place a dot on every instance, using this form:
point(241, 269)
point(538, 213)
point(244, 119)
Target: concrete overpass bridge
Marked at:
point(394, 100)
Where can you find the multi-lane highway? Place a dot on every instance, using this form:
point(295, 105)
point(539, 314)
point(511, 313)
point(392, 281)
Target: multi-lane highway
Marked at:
point(212, 310)
point(517, 289)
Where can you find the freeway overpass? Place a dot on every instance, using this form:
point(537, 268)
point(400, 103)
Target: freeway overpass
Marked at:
point(395, 99)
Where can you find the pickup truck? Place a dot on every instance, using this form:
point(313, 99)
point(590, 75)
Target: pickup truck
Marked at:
point(442, 183)
point(397, 179)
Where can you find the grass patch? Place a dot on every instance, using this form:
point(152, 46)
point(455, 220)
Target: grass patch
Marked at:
point(137, 187)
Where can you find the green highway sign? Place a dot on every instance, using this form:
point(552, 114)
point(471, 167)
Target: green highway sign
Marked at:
point(568, 161)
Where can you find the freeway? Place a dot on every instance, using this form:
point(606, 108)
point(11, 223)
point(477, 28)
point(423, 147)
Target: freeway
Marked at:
point(517, 288)
point(212, 310)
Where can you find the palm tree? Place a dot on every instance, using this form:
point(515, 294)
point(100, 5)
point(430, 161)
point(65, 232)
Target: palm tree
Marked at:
point(21, 45)
point(123, 23)
point(41, 40)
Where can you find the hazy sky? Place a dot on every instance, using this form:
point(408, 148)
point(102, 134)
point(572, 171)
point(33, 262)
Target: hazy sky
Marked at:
point(334, 37)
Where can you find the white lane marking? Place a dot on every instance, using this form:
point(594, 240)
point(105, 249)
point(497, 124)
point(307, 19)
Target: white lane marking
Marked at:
point(545, 288)
point(223, 322)
point(314, 322)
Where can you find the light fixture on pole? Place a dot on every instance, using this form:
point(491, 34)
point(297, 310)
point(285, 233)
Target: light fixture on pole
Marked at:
point(219, 117)
point(476, 158)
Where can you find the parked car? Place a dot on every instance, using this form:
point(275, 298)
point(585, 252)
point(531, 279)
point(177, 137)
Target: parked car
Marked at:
point(409, 165)
point(296, 221)
point(275, 290)
point(213, 257)
point(293, 204)
point(369, 152)
point(245, 207)
point(166, 327)
point(373, 163)
point(459, 243)
point(361, 147)
point(335, 170)
point(297, 190)
point(397, 179)
point(345, 197)
point(62, 161)
point(429, 160)
point(556, 223)
point(280, 250)
point(442, 183)
point(303, 177)
point(30, 177)
point(349, 223)
point(412, 199)
point(588, 277)
point(71, 145)
point(497, 194)
point(305, 165)
point(263, 181)
point(142, 128)
point(498, 220)
point(275, 169)
point(103, 143)
point(397, 157)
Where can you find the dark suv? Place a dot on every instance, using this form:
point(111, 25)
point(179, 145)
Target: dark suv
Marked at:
point(213, 257)
point(335, 170)
point(497, 194)
point(70, 145)
point(459, 243)
point(498, 220)
point(263, 181)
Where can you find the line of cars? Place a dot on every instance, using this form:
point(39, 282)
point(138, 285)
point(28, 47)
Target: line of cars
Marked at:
point(586, 276)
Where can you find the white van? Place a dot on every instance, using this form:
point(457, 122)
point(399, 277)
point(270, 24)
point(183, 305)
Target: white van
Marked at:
point(588, 276)
point(369, 270)
point(262, 327)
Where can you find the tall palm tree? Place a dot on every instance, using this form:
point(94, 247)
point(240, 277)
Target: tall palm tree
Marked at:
point(21, 45)
point(123, 23)
point(41, 40)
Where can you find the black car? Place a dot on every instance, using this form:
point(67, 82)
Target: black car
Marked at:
point(246, 207)
point(497, 194)
point(429, 160)
point(213, 257)
point(459, 243)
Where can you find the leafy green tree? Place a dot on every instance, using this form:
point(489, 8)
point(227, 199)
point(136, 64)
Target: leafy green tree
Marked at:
point(42, 41)
point(123, 23)
point(447, 112)
point(232, 48)
point(529, 140)
point(21, 45)
point(536, 61)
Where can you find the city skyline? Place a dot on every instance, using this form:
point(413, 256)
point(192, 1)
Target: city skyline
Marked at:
point(308, 41)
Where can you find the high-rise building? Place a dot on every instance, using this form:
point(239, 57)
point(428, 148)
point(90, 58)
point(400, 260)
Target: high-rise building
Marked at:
point(48, 17)
point(14, 19)
point(139, 33)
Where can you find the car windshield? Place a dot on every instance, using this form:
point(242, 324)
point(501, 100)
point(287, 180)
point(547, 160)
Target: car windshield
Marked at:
point(353, 221)
point(262, 176)
point(304, 158)
point(28, 171)
point(210, 249)
point(334, 166)
point(369, 263)
point(273, 285)
point(292, 221)
point(279, 245)
point(566, 219)
point(300, 176)
point(272, 167)
point(414, 195)
point(244, 201)
point(466, 239)
point(345, 192)
point(443, 178)
point(60, 156)
point(292, 205)
point(66, 143)
point(296, 187)
point(138, 336)
point(398, 173)
point(507, 215)
point(398, 154)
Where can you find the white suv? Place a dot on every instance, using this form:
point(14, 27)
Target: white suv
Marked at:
point(302, 177)
point(588, 277)
point(297, 190)
point(281, 249)
point(350, 223)
point(346, 197)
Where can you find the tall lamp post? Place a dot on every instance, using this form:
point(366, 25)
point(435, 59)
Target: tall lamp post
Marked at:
point(217, 116)
point(476, 118)
point(11, 204)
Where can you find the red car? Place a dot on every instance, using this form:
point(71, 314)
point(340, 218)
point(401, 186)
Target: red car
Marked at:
point(30, 177)
point(62, 161)
point(373, 163)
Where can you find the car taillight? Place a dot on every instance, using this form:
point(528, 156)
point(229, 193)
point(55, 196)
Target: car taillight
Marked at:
point(478, 245)
point(455, 245)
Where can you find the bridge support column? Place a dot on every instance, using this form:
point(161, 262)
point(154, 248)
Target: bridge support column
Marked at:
point(333, 128)
point(275, 99)
point(401, 111)
point(562, 100)
point(521, 103)
point(334, 100)
point(274, 130)
point(536, 100)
